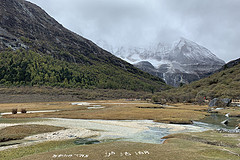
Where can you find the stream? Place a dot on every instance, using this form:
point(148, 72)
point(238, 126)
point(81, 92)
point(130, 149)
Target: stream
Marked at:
point(145, 131)
point(215, 121)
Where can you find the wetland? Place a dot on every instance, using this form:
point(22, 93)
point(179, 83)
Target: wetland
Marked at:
point(116, 125)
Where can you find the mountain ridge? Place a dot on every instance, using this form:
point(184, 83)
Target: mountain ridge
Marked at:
point(49, 30)
point(182, 62)
point(28, 31)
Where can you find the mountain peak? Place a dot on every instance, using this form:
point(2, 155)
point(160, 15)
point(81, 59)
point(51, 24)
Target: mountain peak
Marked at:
point(184, 62)
point(181, 42)
point(188, 51)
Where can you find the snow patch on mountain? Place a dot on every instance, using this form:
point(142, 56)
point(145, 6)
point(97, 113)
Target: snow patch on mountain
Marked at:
point(183, 61)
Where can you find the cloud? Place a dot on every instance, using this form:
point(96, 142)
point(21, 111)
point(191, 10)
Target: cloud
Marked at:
point(211, 23)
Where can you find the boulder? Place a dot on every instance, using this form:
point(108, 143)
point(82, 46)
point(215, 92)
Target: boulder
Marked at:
point(213, 102)
point(217, 102)
point(226, 101)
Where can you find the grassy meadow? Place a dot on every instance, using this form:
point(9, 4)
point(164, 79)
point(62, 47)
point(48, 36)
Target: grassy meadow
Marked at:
point(208, 145)
point(21, 131)
point(113, 110)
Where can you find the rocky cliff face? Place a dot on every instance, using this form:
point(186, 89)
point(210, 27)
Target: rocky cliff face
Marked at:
point(183, 62)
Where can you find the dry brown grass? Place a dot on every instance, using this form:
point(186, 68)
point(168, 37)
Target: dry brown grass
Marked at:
point(21, 131)
point(35, 106)
point(179, 113)
point(52, 94)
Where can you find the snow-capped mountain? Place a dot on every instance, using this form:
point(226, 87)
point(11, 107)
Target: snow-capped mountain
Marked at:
point(182, 62)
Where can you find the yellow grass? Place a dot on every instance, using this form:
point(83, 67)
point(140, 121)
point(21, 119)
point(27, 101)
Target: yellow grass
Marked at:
point(127, 110)
point(7, 107)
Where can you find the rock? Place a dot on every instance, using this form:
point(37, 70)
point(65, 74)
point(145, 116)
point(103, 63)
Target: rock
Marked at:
point(225, 122)
point(226, 101)
point(217, 102)
point(213, 102)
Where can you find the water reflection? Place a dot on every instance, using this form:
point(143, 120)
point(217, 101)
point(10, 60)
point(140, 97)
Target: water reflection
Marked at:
point(216, 119)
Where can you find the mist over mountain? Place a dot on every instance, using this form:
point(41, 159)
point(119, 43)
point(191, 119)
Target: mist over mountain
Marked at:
point(180, 63)
point(36, 50)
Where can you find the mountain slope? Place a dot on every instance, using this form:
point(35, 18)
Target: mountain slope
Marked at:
point(24, 24)
point(230, 64)
point(35, 47)
point(224, 83)
point(183, 62)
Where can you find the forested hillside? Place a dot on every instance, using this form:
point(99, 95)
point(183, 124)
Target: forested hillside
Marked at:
point(36, 50)
point(224, 83)
point(26, 67)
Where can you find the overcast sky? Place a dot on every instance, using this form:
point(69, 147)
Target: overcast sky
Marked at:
point(214, 24)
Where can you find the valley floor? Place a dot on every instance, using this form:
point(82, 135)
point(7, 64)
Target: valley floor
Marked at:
point(111, 110)
point(109, 125)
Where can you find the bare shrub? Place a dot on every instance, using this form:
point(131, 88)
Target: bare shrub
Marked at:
point(23, 110)
point(14, 111)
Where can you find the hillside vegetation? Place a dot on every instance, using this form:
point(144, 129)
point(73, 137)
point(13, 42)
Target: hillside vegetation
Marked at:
point(36, 50)
point(26, 67)
point(225, 84)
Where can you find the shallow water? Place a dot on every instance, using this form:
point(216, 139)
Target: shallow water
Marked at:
point(215, 121)
point(144, 131)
